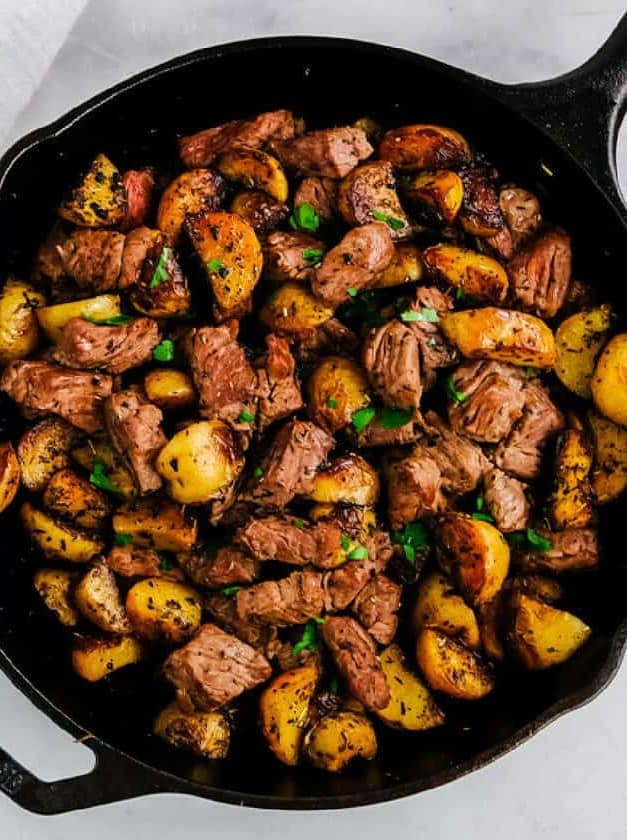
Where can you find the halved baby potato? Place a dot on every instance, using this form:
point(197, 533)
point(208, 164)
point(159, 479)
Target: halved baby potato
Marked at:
point(424, 146)
point(96, 658)
point(541, 635)
point(44, 449)
point(256, 170)
point(98, 598)
point(411, 707)
point(441, 190)
point(58, 541)
point(171, 390)
point(10, 474)
point(439, 605)
point(191, 192)
point(163, 610)
point(284, 711)
point(293, 309)
point(99, 200)
point(55, 588)
point(406, 267)
point(19, 328)
point(477, 275)
point(609, 382)
point(451, 667)
point(338, 738)
point(578, 342)
point(609, 474)
point(156, 523)
point(349, 480)
point(53, 319)
point(100, 449)
point(570, 505)
point(74, 498)
point(207, 734)
point(337, 388)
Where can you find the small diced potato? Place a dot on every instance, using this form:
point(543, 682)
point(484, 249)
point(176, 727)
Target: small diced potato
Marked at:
point(158, 524)
point(609, 382)
point(100, 449)
point(349, 479)
point(411, 706)
point(163, 610)
point(191, 192)
point(19, 328)
point(406, 267)
point(451, 667)
point(477, 275)
point(543, 636)
point(256, 170)
point(338, 738)
point(284, 710)
point(336, 389)
point(74, 498)
point(207, 734)
point(95, 658)
point(58, 541)
point(10, 474)
point(99, 200)
point(171, 390)
point(441, 190)
point(44, 449)
point(293, 309)
point(578, 341)
point(53, 319)
point(98, 598)
point(55, 587)
point(439, 605)
point(609, 474)
point(415, 147)
point(571, 501)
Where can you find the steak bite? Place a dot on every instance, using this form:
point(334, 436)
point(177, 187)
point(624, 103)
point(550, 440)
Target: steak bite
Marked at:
point(521, 212)
point(278, 389)
point(291, 600)
point(570, 549)
point(435, 350)
point(376, 606)
point(214, 668)
point(292, 542)
point(142, 246)
point(114, 349)
point(540, 274)
point(319, 193)
point(131, 561)
point(413, 488)
point(392, 360)
point(285, 255)
point(369, 189)
point(227, 566)
point(330, 152)
point(223, 610)
point(139, 185)
point(92, 258)
point(506, 501)
point(343, 585)
point(461, 463)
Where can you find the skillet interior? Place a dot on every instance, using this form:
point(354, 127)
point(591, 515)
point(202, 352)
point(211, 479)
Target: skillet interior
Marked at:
point(328, 82)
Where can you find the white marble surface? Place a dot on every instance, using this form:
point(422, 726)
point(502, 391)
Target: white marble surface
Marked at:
point(569, 781)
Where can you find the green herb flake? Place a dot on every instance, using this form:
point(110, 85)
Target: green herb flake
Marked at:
point(113, 321)
point(352, 292)
point(394, 418)
point(452, 391)
point(332, 402)
point(308, 640)
point(479, 503)
point(245, 417)
point(100, 479)
point(362, 418)
point(313, 256)
point(414, 535)
point(391, 221)
point(460, 294)
point(410, 553)
point(305, 218)
point(358, 553)
point(482, 517)
point(537, 540)
point(298, 523)
point(258, 473)
point(425, 314)
point(214, 266)
point(345, 542)
point(164, 351)
point(165, 565)
point(123, 539)
point(230, 590)
point(319, 620)
point(161, 274)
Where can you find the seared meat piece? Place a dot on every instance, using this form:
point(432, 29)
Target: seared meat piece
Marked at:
point(142, 246)
point(460, 462)
point(223, 376)
point(521, 211)
point(435, 350)
point(278, 388)
point(278, 538)
point(131, 561)
point(571, 549)
point(139, 185)
point(493, 401)
point(75, 395)
point(283, 255)
point(372, 187)
point(114, 349)
point(506, 500)
point(521, 453)
point(291, 600)
point(214, 668)
point(134, 426)
point(392, 360)
point(344, 584)
point(376, 607)
point(354, 654)
point(413, 488)
point(223, 610)
point(375, 435)
point(329, 339)
point(540, 274)
point(331, 152)
point(48, 262)
point(93, 258)
point(380, 549)
point(480, 214)
point(261, 212)
point(288, 469)
point(201, 149)
point(227, 566)
point(319, 193)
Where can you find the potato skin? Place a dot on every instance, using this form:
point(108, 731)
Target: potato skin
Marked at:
point(256, 170)
point(100, 449)
point(157, 524)
point(441, 190)
point(609, 382)
point(19, 327)
point(95, 658)
point(477, 275)
point(74, 498)
point(100, 198)
point(56, 540)
point(406, 267)
point(578, 342)
point(55, 587)
point(10, 474)
point(412, 707)
point(424, 147)
point(293, 309)
point(207, 734)
point(163, 610)
point(439, 605)
point(171, 390)
point(98, 598)
point(541, 635)
point(338, 738)
point(191, 192)
point(52, 319)
point(609, 474)
point(348, 479)
point(504, 335)
point(44, 449)
point(284, 711)
point(571, 501)
point(452, 668)
point(336, 389)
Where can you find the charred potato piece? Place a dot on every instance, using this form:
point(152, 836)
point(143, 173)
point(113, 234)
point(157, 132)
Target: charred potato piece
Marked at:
point(163, 610)
point(284, 711)
point(480, 214)
point(100, 198)
point(571, 501)
point(338, 738)
point(44, 449)
point(578, 342)
point(158, 524)
point(231, 255)
point(55, 587)
point(406, 267)
point(491, 627)
point(336, 389)
point(369, 193)
point(207, 734)
point(171, 390)
point(10, 475)
point(95, 658)
point(348, 479)
point(99, 449)
point(609, 382)
point(200, 462)
point(256, 170)
point(451, 667)
point(541, 635)
point(441, 190)
point(475, 274)
point(412, 707)
point(53, 319)
point(359, 523)
point(609, 474)
point(162, 290)
point(261, 212)
point(19, 327)
point(439, 605)
point(293, 309)
point(56, 540)
point(192, 192)
point(424, 147)
point(74, 498)
point(98, 598)
point(504, 335)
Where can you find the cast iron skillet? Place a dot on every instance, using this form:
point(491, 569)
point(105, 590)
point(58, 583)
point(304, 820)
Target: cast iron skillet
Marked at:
point(557, 138)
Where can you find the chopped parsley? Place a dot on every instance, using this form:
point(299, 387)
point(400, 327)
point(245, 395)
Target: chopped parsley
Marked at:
point(100, 479)
point(214, 266)
point(298, 523)
point(258, 472)
point(331, 402)
point(164, 351)
point(305, 217)
point(245, 417)
point(123, 539)
point(537, 540)
point(161, 274)
point(345, 542)
point(394, 418)
point(308, 641)
point(483, 517)
point(113, 321)
point(360, 552)
point(352, 292)
point(425, 314)
point(452, 391)
point(460, 294)
point(362, 418)
point(165, 565)
point(313, 256)
point(391, 221)
point(230, 590)
point(414, 535)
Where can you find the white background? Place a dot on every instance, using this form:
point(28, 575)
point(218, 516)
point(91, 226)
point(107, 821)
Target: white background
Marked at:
point(570, 781)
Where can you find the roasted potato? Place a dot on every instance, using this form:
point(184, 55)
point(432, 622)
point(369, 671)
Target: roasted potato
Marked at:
point(477, 275)
point(475, 553)
point(19, 327)
point(192, 192)
point(336, 389)
point(156, 523)
point(609, 382)
point(439, 605)
point(541, 635)
point(56, 540)
point(348, 479)
point(95, 658)
point(505, 335)
point(207, 734)
point(162, 290)
point(256, 170)
point(99, 449)
point(75, 499)
point(451, 667)
point(56, 587)
point(570, 505)
point(293, 309)
point(491, 620)
point(539, 587)
point(441, 190)
point(10, 474)
point(338, 738)
point(261, 212)
point(231, 255)
point(44, 449)
point(358, 523)
point(480, 214)
point(406, 267)
point(368, 193)
point(424, 147)
point(52, 319)
point(412, 707)
point(99, 200)
point(200, 462)
point(98, 598)
point(163, 610)
point(171, 390)
point(609, 474)
point(284, 711)
point(578, 342)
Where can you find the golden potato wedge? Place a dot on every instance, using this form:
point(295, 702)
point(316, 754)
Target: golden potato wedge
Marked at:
point(56, 540)
point(163, 610)
point(284, 711)
point(10, 474)
point(477, 275)
point(439, 605)
point(192, 192)
point(56, 587)
point(200, 462)
point(98, 598)
point(441, 190)
point(19, 327)
point(53, 319)
point(338, 738)
point(171, 390)
point(336, 389)
point(256, 170)
point(156, 523)
point(609, 382)
point(412, 707)
point(578, 342)
point(451, 667)
point(349, 480)
point(230, 253)
point(99, 200)
point(570, 505)
point(44, 449)
point(74, 498)
point(491, 621)
point(475, 553)
point(424, 147)
point(99, 449)
point(207, 734)
point(609, 474)
point(505, 335)
point(406, 267)
point(541, 635)
point(95, 658)
point(293, 309)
